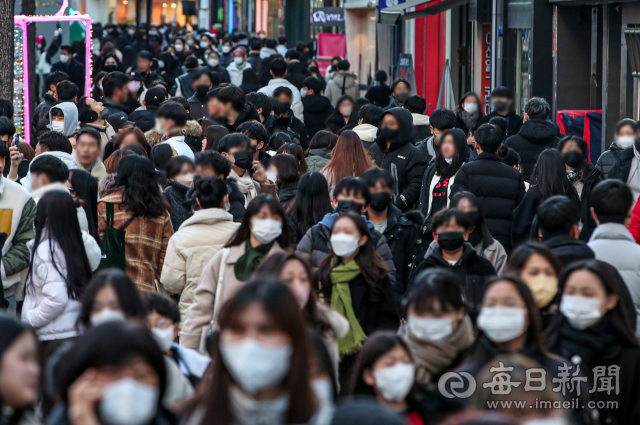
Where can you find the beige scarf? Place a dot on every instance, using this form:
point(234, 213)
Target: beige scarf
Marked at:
point(433, 357)
point(246, 186)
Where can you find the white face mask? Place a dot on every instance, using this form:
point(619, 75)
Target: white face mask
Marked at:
point(344, 245)
point(581, 312)
point(128, 402)
point(346, 111)
point(272, 176)
point(178, 47)
point(134, 86)
point(204, 45)
point(238, 60)
point(471, 108)
point(160, 64)
point(502, 324)
point(449, 160)
point(185, 179)
point(226, 49)
point(430, 329)
point(625, 141)
point(303, 92)
point(266, 231)
point(106, 315)
point(64, 58)
point(254, 365)
point(158, 127)
point(57, 126)
point(323, 389)
point(213, 62)
point(131, 32)
point(395, 382)
point(164, 337)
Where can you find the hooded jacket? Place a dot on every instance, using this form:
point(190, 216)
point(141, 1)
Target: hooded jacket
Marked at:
point(403, 160)
point(535, 136)
point(367, 134)
point(70, 112)
point(68, 159)
point(421, 129)
point(317, 109)
point(342, 82)
point(608, 159)
point(235, 72)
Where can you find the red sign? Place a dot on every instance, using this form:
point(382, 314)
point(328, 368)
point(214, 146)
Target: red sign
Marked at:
point(485, 67)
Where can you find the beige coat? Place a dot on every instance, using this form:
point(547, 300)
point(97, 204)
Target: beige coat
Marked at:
point(190, 249)
point(201, 312)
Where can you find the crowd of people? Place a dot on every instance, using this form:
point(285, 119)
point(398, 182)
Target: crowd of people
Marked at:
point(221, 234)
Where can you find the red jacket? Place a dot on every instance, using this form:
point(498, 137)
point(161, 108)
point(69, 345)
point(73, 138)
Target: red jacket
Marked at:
point(634, 224)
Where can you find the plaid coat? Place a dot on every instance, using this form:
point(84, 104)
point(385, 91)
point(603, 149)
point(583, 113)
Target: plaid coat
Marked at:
point(146, 241)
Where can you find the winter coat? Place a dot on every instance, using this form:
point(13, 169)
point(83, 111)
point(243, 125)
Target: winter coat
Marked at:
point(622, 167)
point(202, 311)
point(235, 72)
point(405, 244)
point(499, 189)
point(343, 82)
point(534, 137)
point(198, 107)
point(223, 75)
point(145, 241)
point(524, 215)
point(181, 206)
point(379, 95)
point(296, 106)
point(113, 107)
point(514, 120)
point(192, 246)
point(592, 179)
point(403, 160)
point(421, 130)
point(494, 252)
point(98, 170)
point(472, 269)
point(317, 110)
point(569, 249)
point(287, 194)
point(290, 125)
point(315, 244)
point(608, 159)
point(193, 139)
point(247, 114)
point(367, 134)
point(634, 224)
point(184, 83)
point(612, 243)
point(47, 306)
point(317, 159)
point(254, 60)
point(75, 71)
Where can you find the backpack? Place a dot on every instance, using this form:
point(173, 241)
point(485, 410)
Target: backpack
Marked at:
point(113, 243)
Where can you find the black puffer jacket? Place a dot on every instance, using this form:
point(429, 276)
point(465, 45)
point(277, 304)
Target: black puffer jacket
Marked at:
point(608, 159)
point(404, 161)
point(379, 95)
point(534, 137)
point(498, 187)
point(248, 113)
point(569, 249)
point(181, 208)
point(316, 111)
point(622, 167)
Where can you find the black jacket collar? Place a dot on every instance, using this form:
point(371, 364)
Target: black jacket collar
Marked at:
point(488, 156)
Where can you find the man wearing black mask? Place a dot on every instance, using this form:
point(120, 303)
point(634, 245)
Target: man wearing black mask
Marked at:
point(451, 229)
point(202, 83)
point(501, 101)
point(350, 195)
point(400, 232)
point(394, 151)
point(400, 92)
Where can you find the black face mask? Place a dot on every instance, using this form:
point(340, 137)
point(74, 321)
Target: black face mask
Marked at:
point(244, 159)
point(110, 68)
point(500, 105)
point(450, 241)
point(380, 201)
point(388, 134)
point(202, 89)
point(474, 218)
point(573, 158)
point(353, 206)
point(401, 97)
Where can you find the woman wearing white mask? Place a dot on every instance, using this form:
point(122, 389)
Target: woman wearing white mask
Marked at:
point(385, 369)
point(264, 231)
point(260, 362)
point(115, 375)
point(341, 114)
point(440, 177)
point(594, 330)
point(198, 239)
point(624, 138)
point(110, 296)
point(468, 112)
point(438, 331)
point(237, 66)
point(353, 280)
point(214, 66)
point(179, 172)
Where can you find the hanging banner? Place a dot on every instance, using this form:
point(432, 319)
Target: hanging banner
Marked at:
point(327, 17)
point(405, 71)
point(485, 66)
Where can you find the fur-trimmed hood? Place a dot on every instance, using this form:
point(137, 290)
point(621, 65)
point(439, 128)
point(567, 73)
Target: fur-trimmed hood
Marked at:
point(192, 127)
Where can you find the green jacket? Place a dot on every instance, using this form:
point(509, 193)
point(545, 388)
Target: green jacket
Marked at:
point(17, 258)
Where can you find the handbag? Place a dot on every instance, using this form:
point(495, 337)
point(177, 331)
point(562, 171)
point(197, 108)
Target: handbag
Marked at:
point(208, 329)
point(113, 243)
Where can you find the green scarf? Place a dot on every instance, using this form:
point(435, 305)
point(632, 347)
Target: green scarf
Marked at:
point(341, 275)
point(248, 262)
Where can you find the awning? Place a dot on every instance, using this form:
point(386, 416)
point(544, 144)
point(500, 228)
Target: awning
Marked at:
point(360, 4)
point(391, 15)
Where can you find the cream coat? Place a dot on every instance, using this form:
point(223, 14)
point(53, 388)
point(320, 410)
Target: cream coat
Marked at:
point(190, 249)
point(201, 312)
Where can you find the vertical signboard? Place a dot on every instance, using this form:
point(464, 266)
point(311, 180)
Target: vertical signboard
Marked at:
point(404, 70)
point(486, 68)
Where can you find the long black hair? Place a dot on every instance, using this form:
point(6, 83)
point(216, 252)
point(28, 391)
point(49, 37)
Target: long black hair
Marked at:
point(128, 296)
point(444, 169)
point(584, 149)
point(254, 207)
point(86, 189)
point(57, 225)
point(481, 226)
point(310, 205)
point(142, 196)
point(610, 280)
point(550, 177)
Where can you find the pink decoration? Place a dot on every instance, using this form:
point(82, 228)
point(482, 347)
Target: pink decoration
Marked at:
point(23, 21)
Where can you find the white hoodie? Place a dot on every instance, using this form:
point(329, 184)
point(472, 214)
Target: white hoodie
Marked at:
point(68, 159)
point(366, 132)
